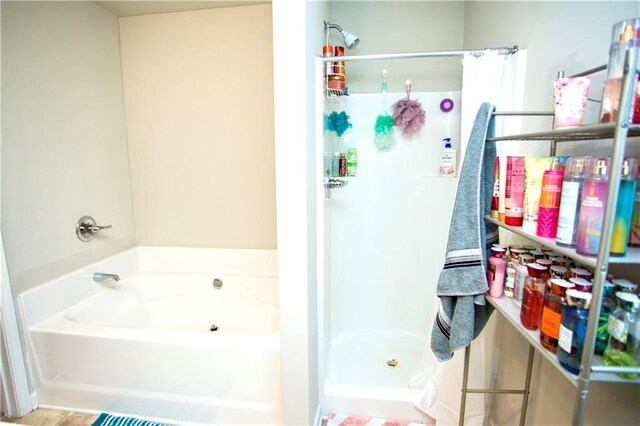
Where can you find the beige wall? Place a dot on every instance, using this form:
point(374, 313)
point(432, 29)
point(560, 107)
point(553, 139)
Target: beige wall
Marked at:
point(64, 152)
point(395, 27)
point(199, 104)
point(570, 36)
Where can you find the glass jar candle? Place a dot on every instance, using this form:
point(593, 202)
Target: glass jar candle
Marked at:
point(624, 286)
point(537, 254)
point(624, 331)
point(573, 329)
point(581, 284)
point(581, 273)
point(533, 296)
point(554, 300)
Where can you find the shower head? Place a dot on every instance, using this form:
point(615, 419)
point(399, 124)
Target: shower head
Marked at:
point(350, 40)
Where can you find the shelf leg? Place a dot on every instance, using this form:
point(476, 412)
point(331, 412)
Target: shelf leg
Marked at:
point(527, 386)
point(465, 378)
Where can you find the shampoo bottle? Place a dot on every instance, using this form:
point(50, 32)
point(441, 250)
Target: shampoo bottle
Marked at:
point(593, 200)
point(447, 165)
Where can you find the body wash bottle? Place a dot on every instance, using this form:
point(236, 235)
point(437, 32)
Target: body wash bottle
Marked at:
point(594, 198)
point(447, 165)
point(570, 201)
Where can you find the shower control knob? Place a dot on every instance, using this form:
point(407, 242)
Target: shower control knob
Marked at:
point(335, 183)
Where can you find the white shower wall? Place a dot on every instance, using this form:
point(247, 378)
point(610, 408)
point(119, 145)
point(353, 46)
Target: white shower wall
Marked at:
point(389, 226)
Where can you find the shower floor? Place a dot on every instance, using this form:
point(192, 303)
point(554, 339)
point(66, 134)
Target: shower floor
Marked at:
point(362, 358)
point(360, 382)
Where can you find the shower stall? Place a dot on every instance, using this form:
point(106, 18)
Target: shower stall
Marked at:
point(382, 237)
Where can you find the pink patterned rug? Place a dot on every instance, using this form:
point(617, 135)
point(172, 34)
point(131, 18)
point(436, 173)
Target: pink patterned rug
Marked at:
point(334, 419)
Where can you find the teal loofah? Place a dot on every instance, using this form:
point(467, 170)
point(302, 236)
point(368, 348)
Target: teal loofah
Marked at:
point(337, 122)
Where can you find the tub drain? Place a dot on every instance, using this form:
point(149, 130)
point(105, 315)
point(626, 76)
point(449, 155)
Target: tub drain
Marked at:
point(393, 363)
point(214, 327)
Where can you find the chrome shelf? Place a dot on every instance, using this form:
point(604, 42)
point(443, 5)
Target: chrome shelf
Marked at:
point(632, 257)
point(566, 134)
point(511, 312)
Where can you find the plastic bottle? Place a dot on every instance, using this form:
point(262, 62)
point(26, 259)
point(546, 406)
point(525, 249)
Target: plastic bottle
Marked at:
point(624, 208)
point(342, 164)
point(624, 334)
point(335, 165)
point(352, 162)
point(495, 273)
point(549, 203)
point(514, 191)
point(533, 297)
point(573, 330)
point(594, 198)
point(554, 300)
point(447, 165)
point(570, 200)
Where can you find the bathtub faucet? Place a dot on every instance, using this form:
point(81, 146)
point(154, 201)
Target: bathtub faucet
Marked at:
point(103, 276)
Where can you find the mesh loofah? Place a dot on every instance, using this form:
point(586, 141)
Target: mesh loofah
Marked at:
point(408, 114)
point(337, 122)
point(384, 132)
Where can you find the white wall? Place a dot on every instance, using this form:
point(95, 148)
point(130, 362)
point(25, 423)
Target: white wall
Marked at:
point(295, 139)
point(199, 105)
point(569, 36)
point(64, 142)
point(401, 26)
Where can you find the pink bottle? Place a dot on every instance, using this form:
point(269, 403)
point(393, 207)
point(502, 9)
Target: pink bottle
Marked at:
point(514, 191)
point(495, 272)
point(549, 206)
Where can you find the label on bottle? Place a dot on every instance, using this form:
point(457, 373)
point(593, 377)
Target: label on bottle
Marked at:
point(566, 336)
point(568, 212)
point(510, 280)
point(618, 329)
point(594, 197)
point(550, 322)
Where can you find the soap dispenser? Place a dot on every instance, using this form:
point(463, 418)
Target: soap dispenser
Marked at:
point(447, 164)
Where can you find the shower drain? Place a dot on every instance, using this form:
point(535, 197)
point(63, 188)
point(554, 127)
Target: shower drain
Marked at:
point(393, 363)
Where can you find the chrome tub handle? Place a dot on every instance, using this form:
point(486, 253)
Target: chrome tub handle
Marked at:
point(86, 228)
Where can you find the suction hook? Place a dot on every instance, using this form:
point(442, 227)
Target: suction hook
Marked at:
point(407, 85)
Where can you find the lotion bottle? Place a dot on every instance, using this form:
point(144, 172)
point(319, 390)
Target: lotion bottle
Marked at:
point(447, 164)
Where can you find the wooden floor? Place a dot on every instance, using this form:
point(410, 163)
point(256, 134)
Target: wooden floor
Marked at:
point(45, 417)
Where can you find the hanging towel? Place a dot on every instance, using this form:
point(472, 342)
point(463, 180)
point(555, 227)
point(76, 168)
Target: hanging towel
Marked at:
point(463, 310)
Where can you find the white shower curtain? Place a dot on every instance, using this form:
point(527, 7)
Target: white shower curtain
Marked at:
point(499, 80)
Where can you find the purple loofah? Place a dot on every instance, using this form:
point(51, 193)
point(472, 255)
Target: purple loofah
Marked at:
point(408, 114)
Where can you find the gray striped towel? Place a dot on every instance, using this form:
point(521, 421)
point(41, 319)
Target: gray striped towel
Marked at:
point(462, 284)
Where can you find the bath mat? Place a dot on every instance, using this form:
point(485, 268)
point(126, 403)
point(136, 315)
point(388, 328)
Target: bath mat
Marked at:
point(106, 419)
point(334, 419)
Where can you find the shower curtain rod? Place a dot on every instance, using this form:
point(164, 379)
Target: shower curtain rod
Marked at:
point(435, 54)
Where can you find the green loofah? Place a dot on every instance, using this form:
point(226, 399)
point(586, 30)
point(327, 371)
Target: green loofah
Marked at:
point(384, 131)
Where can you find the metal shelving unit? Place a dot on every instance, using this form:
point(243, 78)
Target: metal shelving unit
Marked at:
point(592, 367)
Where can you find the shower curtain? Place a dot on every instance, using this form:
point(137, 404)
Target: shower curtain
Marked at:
point(499, 80)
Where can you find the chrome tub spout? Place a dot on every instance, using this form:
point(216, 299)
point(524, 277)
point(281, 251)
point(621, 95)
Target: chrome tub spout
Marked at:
point(100, 277)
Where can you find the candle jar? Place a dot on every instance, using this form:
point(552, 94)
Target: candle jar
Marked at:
point(581, 273)
point(581, 284)
point(624, 331)
point(533, 296)
point(573, 329)
point(558, 271)
point(554, 300)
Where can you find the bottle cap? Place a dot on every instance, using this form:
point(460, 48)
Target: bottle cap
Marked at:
point(559, 286)
point(578, 298)
point(630, 168)
point(581, 273)
point(447, 142)
point(581, 284)
point(544, 262)
point(497, 252)
point(628, 301)
point(535, 270)
point(525, 259)
point(624, 286)
point(600, 167)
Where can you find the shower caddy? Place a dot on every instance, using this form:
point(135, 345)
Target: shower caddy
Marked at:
point(592, 367)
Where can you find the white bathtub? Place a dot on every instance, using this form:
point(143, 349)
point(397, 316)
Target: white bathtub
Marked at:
point(143, 346)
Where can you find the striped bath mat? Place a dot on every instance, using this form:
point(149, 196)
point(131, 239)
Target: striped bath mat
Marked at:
point(106, 419)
